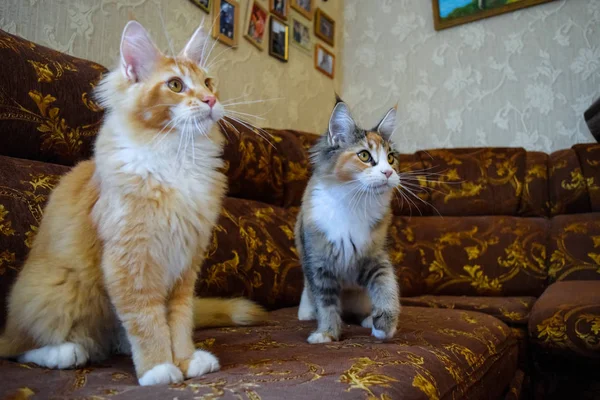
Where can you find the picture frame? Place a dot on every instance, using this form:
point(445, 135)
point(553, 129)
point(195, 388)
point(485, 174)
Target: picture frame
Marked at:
point(325, 61)
point(449, 13)
point(225, 27)
point(280, 8)
point(279, 33)
point(203, 4)
point(325, 27)
point(300, 37)
point(256, 24)
point(304, 7)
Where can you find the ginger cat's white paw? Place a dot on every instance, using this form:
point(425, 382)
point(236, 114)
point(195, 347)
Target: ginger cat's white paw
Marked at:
point(62, 356)
point(202, 362)
point(161, 374)
point(319, 337)
point(379, 334)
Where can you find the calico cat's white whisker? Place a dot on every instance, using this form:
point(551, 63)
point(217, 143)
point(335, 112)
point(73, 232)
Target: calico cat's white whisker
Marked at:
point(220, 54)
point(204, 58)
point(164, 27)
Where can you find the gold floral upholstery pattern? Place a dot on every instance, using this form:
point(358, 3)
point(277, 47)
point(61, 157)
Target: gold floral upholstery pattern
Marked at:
point(567, 317)
point(589, 159)
point(252, 254)
point(436, 354)
point(574, 250)
point(24, 189)
point(486, 181)
point(47, 112)
point(534, 198)
point(475, 256)
point(567, 185)
point(266, 165)
point(510, 310)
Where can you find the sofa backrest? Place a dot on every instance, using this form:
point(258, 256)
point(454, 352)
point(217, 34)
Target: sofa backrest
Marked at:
point(47, 112)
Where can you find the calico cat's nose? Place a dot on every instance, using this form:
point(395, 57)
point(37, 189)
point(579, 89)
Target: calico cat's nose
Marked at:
point(210, 100)
point(387, 173)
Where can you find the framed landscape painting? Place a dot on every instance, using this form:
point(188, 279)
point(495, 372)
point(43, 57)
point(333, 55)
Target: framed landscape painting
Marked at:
point(449, 13)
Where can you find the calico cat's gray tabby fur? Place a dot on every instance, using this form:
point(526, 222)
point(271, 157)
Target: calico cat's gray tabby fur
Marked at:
point(342, 228)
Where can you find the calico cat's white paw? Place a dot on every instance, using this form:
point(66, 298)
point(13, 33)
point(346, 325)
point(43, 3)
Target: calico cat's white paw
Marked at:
point(62, 356)
point(161, 374)
point(379, 334)
point(367, 322)
point(319, 337)
point(202, 362)
point(306, 313)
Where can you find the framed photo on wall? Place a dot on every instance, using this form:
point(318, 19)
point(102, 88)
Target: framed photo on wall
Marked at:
point(324, 27)
point(304, 7)
point(278, 39)
point(281, 8)
point(301, 35)
point(203, 4)
point(256, 25)
point(226, 25)
point(449, 13)
point(324, 61)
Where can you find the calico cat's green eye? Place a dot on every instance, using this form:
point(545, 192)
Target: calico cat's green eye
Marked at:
point(175, 85)
point(364, 156)
point(391, 158)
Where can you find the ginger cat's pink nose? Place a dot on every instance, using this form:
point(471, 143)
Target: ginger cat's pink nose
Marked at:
point(387, 173)
point(210, 100)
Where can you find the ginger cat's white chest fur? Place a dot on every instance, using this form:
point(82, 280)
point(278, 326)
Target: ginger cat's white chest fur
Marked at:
point(186, 191)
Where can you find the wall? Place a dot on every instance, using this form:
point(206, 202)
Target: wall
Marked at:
point(92, 28)
point(519, 79)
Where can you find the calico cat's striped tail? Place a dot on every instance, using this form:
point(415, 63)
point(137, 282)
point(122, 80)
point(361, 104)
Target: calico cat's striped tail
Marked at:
point(214, 312)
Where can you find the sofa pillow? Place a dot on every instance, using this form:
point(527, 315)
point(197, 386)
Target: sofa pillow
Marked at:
point(46, 108)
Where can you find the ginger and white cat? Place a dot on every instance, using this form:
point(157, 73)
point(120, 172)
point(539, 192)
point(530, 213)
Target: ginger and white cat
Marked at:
point(124, 234)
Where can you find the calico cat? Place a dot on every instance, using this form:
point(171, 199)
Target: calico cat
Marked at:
point(342, 227)
point(124, 234)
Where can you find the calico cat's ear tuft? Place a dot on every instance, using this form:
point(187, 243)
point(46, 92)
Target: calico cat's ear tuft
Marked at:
point(388, 124)
point(341, 124)
point(138, 52)
point(194, 49)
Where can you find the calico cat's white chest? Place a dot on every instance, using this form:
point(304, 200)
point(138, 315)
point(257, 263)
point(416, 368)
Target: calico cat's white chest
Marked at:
point(345, 221)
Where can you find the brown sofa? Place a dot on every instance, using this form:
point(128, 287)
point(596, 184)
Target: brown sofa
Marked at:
point(482, 318)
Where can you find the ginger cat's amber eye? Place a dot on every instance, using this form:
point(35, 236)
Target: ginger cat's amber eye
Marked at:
point(208, 83)
point(175, 85)
point(391, 158)
point(364, 156)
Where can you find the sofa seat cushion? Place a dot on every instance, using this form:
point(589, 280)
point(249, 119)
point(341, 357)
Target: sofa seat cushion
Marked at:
point(24, 189)
point(436, 354)
point(566, 319)
point(511, 310)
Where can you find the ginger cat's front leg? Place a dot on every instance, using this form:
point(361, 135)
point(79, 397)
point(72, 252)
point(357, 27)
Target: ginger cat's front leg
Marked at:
point(138, 293)
point(192, 362)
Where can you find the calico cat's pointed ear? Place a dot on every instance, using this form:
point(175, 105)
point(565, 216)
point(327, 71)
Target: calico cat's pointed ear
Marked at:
point(138, 52)
point(194, 49)
point(341, 124)
point(388, 124)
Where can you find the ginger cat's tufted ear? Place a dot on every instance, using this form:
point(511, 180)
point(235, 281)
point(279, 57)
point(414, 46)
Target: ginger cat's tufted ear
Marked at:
point(139, 54)
point(388, 124)
point(194, 49)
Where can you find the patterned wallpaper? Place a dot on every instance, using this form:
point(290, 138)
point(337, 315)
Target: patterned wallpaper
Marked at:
point(92, 28)
point(519, 79)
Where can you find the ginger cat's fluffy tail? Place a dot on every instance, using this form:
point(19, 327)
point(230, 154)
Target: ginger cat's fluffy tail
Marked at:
point(11, 346)
point(212, 312)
